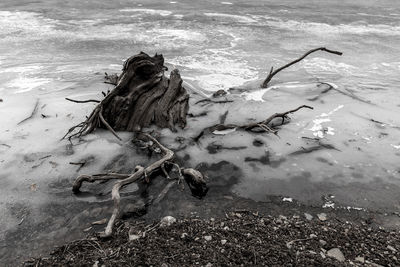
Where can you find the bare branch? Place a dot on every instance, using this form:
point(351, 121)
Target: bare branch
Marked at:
point(82, 101)
point(273, 73)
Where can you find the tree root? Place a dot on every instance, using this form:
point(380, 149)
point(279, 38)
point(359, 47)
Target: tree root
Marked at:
point(262, 126)
point(272, 73)
point(193, 177)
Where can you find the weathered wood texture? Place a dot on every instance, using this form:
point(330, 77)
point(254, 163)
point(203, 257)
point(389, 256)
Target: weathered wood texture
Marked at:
point(143, 96)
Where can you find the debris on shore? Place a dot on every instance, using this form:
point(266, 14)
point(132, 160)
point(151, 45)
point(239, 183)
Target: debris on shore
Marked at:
point(242, 238)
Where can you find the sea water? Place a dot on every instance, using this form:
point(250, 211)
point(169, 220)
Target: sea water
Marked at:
point(50, 50)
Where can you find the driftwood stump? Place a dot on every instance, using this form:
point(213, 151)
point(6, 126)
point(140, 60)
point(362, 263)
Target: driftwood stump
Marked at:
point(143, 96)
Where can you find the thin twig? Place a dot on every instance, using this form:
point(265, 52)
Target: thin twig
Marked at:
point(83, 101)
point(32, 114)
point(108, 125)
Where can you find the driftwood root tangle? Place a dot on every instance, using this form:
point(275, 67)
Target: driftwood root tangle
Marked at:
point(267, 125)
point(143, 96)
point(194, 179)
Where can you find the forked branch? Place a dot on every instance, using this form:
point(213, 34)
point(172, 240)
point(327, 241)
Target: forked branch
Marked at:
point(266, 125)
point(272, 73)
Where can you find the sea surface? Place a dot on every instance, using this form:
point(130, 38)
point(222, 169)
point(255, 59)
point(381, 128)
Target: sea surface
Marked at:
point(52, 49)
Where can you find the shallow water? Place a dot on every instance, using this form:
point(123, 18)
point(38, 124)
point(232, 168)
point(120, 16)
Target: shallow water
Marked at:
point(50, 50)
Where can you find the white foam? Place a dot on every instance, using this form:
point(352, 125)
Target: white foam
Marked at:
point(230, 17)
point(318, 129)
point(329, 30)
point(25, 84)
point(21, 22)
point(148, 11)
point(256, 95)
point(318, 65)
point(216, 69)
point(226, 3)
point(23, 69)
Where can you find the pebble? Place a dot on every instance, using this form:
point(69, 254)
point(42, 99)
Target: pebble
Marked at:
point(322, 242)
point(391, 248)
point(322, 216)
point(313, 236)
point(322, 255)
point(167, 221)
point(336, 253)
point(183, 235)
point(308, 216)
point(133, 237)
point(360, 259)
point(223, 241)
point(208, 238)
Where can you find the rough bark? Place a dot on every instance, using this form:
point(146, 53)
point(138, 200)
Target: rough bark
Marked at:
point(143, 96)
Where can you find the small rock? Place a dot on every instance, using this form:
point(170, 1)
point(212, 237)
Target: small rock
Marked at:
point(33, 187)
point(223, 241)
point(164, 265)
point(133, 237)
point(360, 259)
point(391, 248)
point(282, 217)
point(167, 221)
point(336, 253)
point(313, 236)
point(226, 228)
point(308, 216)
point(183, 235)
point(322, 242)
point(322, 216)
point(209, 264)
point(322, 255)
point(219, 93)
point(208, 238)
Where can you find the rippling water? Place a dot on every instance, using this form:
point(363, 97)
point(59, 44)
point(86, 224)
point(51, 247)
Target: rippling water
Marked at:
point(55, 49)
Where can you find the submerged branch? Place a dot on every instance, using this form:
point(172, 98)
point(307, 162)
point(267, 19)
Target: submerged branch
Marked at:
point(82, 101)
point(272, 73)
point(32, 114)
point(262, 126)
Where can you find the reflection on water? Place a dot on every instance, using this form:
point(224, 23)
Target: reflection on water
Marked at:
point(50, 50)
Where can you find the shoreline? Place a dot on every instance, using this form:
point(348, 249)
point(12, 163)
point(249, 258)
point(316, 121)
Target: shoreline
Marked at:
point(258, 233)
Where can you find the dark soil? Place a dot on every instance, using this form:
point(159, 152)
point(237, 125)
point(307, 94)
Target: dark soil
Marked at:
point(251, 240)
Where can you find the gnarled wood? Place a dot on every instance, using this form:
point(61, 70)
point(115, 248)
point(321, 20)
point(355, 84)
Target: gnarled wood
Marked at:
point(143, 96)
